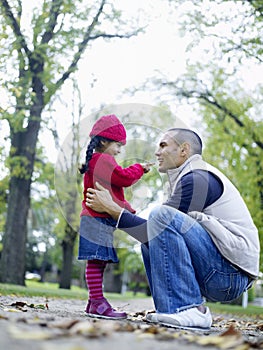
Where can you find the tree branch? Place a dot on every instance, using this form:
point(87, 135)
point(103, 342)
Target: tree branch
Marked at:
point(81, 47)
point(15, 26)
point(120, 36)
point(257, 6)
point(54, 12)
point(242, 48)
point(211, 100)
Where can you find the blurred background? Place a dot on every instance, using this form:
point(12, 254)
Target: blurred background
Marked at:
point(155, 64)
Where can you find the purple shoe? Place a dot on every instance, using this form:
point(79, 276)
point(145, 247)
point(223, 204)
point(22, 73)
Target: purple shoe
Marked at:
point(100, 308)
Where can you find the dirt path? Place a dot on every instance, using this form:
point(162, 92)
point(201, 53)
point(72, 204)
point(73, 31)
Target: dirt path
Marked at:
point(61, 324)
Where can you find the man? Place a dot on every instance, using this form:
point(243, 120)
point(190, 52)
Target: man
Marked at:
point(200, 243)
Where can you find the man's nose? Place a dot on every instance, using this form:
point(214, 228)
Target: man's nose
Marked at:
point(157, 152)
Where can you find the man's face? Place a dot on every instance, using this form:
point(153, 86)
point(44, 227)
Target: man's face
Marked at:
point(169, 153)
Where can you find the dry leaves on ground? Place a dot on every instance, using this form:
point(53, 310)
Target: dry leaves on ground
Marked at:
point(23, 306)
point(225, 333)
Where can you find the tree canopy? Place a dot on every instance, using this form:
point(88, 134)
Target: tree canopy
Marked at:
point(224, 54)
point(41, 46)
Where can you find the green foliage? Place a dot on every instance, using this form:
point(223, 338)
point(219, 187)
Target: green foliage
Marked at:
point(226, 42)
point(236, 26)
point(45, 290)
point(252, 310)
point(52, 290)
point(41, 45)
point(233, 129)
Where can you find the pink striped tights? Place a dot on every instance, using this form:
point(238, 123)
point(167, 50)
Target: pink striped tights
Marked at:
point(94, 278)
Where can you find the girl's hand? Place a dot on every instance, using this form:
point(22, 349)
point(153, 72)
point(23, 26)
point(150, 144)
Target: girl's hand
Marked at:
point(147, 167)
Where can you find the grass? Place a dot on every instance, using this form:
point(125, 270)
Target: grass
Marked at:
point(48, 290)
point(52, 290)
point(250, 310)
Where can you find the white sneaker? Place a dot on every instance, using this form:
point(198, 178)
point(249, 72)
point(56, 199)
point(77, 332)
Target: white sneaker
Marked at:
point(187, 319)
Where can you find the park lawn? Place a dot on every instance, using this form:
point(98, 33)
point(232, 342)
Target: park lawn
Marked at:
point(238, 310)
point(52, 290)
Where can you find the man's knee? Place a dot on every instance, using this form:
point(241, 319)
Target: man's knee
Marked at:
point(162, 213)
point(159, 219)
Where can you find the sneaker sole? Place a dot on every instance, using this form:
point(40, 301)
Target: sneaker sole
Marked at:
point(105, 317)
point(183, 327)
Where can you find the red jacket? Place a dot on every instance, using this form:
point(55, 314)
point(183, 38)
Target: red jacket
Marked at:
point(104, 169)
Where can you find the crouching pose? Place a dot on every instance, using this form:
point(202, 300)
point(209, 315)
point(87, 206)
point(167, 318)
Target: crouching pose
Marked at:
point(201, 244)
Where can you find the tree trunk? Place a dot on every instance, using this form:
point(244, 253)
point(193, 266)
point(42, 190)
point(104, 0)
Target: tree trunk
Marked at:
point(43, 267)
point(14, 241)
point(33, 89)
point(68, 253)
point(13, 255)
point(22, 157)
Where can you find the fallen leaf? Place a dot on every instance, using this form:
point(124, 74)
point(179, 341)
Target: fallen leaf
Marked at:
point(145, 336)
point(138, 313)
point(231, 331)
point(19, 304)
point(230, 339)
point(245, 346)
point(152, 330)
point(32, 335)
point(88, 329)
point(12, 310)
point(69, 347)
point(260, 326)
point(50, 346)
point(65, 324)
point(125, 327)
point(3, 317)
point(37, 306)
point(166, 336)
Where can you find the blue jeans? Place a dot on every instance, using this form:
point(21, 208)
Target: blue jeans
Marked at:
point(183, 265)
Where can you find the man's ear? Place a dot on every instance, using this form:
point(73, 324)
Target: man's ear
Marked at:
point(185, 149)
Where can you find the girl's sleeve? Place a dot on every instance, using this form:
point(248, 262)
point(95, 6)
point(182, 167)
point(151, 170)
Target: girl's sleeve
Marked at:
point(122, 177)
point(125, 177)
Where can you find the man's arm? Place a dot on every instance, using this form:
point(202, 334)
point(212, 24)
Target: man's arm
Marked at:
point(196, 191)
point(100, 200)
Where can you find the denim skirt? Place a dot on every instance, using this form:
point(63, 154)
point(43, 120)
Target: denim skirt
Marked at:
point(96, 239)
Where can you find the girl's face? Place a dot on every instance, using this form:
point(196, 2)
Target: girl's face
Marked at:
point(111, 147)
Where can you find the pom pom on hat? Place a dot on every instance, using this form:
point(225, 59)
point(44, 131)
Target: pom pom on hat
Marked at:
point(110, 127)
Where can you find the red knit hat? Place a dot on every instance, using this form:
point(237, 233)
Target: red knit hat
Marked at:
point(110, 127)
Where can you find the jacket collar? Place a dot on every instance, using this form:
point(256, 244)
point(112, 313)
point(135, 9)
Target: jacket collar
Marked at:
point(173, 174)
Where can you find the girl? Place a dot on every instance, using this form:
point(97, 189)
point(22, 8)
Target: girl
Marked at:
point(96, 229)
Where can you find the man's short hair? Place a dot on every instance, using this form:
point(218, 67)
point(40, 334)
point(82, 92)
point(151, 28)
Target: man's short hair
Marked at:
point(186, 135)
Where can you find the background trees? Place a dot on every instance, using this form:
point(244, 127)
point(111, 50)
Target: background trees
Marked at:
point(43, 44)
point(215, 84)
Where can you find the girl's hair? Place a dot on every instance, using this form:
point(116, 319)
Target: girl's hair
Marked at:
point(95, 142)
